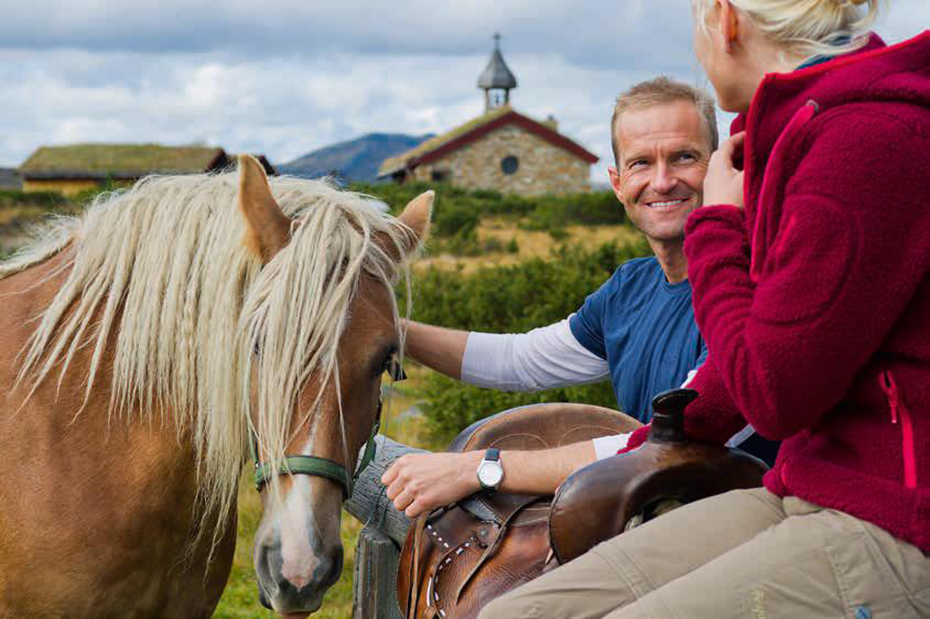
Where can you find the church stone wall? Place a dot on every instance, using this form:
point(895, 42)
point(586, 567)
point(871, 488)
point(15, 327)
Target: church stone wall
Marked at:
point(542, 169)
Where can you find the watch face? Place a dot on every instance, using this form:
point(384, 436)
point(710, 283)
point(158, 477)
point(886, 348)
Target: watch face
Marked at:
point(490, 473)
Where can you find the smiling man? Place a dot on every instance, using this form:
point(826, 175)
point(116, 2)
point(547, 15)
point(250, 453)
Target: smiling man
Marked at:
point(637, 329)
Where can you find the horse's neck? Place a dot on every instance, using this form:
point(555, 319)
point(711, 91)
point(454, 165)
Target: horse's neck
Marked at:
point(60, 424)
point(25, 296)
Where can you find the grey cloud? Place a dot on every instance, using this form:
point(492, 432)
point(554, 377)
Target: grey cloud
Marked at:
point(587, 31)
point(299, 75)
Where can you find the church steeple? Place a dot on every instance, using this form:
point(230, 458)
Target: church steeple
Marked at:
point(496, 80)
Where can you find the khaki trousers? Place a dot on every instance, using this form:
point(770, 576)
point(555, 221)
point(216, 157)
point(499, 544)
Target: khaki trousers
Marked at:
point(747, 553)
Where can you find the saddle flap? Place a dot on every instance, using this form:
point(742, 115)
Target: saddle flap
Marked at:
point(457, 563)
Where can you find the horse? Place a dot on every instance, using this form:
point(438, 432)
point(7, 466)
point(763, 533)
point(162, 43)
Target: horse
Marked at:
point(146, 344)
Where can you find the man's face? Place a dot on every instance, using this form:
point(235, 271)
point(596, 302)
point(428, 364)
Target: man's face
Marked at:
point(664, 151)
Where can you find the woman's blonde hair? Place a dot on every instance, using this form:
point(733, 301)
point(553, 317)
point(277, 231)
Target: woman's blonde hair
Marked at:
point(806, 28)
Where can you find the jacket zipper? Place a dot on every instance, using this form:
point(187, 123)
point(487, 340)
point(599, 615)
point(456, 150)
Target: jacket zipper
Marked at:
point(899, 412)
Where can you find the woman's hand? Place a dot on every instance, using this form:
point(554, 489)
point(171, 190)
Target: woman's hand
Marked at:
point(724, 183)
point(419, 483)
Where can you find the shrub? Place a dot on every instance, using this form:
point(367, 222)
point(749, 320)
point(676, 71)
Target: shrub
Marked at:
point(589, 209)
point(464, 243)
point(454, 219)
point(513, 247)
point(492, 245)
point(521, 296)
point(558, 234)
point(43, 199)
point(452, 406)
point(543, 213)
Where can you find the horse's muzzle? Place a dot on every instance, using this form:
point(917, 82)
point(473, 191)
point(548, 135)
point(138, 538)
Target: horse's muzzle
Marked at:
point(278, 593)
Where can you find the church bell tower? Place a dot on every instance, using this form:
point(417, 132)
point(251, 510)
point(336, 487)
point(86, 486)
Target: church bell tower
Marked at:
point(496, 80)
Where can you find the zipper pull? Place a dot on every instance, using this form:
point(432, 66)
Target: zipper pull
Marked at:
point(886, 382)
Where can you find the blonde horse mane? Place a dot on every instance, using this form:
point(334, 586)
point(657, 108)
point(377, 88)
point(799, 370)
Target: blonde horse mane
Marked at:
point(162, 268)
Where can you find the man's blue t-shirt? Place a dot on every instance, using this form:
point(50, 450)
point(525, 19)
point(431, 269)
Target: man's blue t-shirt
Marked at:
point(644, 328)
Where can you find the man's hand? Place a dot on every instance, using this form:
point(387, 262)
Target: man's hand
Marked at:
point(724, 183)
point(419, 483)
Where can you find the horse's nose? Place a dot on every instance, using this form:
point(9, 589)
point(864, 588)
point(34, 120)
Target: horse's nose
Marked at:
point(279, 593)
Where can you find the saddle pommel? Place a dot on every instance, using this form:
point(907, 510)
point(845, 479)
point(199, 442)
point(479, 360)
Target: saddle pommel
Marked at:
point(668, 420)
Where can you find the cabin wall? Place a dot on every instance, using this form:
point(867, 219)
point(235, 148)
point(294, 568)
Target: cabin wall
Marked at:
point(68, 187)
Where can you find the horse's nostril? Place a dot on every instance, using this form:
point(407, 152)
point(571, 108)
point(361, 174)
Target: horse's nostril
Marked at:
point(268, 568)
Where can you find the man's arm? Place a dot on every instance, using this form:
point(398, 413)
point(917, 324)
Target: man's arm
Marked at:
point(543, 358)
point(419, 483)
point(436, 347)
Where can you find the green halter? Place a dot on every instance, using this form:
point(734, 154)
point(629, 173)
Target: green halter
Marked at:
point(316, 466)
point(324, 467)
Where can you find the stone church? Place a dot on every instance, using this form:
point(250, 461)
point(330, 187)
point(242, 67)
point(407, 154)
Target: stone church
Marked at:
point(502, 149)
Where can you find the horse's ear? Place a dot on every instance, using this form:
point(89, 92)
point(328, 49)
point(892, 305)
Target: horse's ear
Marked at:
point(268, 229)
point(416, 224)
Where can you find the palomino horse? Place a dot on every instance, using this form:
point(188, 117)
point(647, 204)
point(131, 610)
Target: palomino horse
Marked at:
point(144, 345)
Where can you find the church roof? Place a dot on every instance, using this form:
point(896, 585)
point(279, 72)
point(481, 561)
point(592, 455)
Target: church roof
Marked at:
point(497, 74)
point(464, 134)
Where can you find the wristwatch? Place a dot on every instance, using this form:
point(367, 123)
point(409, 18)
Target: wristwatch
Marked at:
point(490, 471)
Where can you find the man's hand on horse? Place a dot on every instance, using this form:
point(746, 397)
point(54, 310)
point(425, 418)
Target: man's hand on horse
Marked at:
point(419, 483)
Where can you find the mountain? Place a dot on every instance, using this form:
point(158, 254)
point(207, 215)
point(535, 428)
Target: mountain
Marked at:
point(10, 179)
point(355, 160)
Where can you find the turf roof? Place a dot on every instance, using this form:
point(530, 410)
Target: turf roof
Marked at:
point(117, 160)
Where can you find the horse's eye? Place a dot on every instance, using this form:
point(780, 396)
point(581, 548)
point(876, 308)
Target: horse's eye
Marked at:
point(393, 368)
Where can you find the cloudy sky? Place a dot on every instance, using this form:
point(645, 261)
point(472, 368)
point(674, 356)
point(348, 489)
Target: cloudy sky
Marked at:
point(287, 77)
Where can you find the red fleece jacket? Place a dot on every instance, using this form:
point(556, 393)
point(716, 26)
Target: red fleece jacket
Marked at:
point(815, 299)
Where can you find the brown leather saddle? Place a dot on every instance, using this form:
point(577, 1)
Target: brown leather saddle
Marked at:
point(459, 558)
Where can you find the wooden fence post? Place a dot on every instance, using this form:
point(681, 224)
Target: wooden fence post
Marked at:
point(374, 589)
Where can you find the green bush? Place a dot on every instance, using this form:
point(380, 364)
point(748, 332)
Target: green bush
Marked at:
point(452, 406)
point(588, 209)
point(451, 219)
point(558, 234)
point(540, 213)
point(514, 299)
point(492, 245)
point(464, 243)
point(43, 199)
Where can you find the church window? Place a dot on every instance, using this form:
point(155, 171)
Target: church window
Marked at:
point(510, 164)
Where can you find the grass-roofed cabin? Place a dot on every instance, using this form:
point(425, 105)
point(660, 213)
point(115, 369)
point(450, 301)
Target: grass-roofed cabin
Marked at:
point(74, 168)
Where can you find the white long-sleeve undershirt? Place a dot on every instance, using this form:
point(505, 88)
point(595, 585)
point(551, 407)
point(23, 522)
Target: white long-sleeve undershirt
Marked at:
point(543, 358)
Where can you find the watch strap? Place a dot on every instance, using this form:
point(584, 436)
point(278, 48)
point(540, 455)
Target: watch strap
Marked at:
point(493, 454)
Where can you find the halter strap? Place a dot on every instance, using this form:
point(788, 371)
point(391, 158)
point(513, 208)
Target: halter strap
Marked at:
point(315, 465)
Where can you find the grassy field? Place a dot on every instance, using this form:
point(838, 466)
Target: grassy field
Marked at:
point(531, 243)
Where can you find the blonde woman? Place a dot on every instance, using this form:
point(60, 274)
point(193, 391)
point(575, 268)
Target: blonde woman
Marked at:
point(810, 266)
